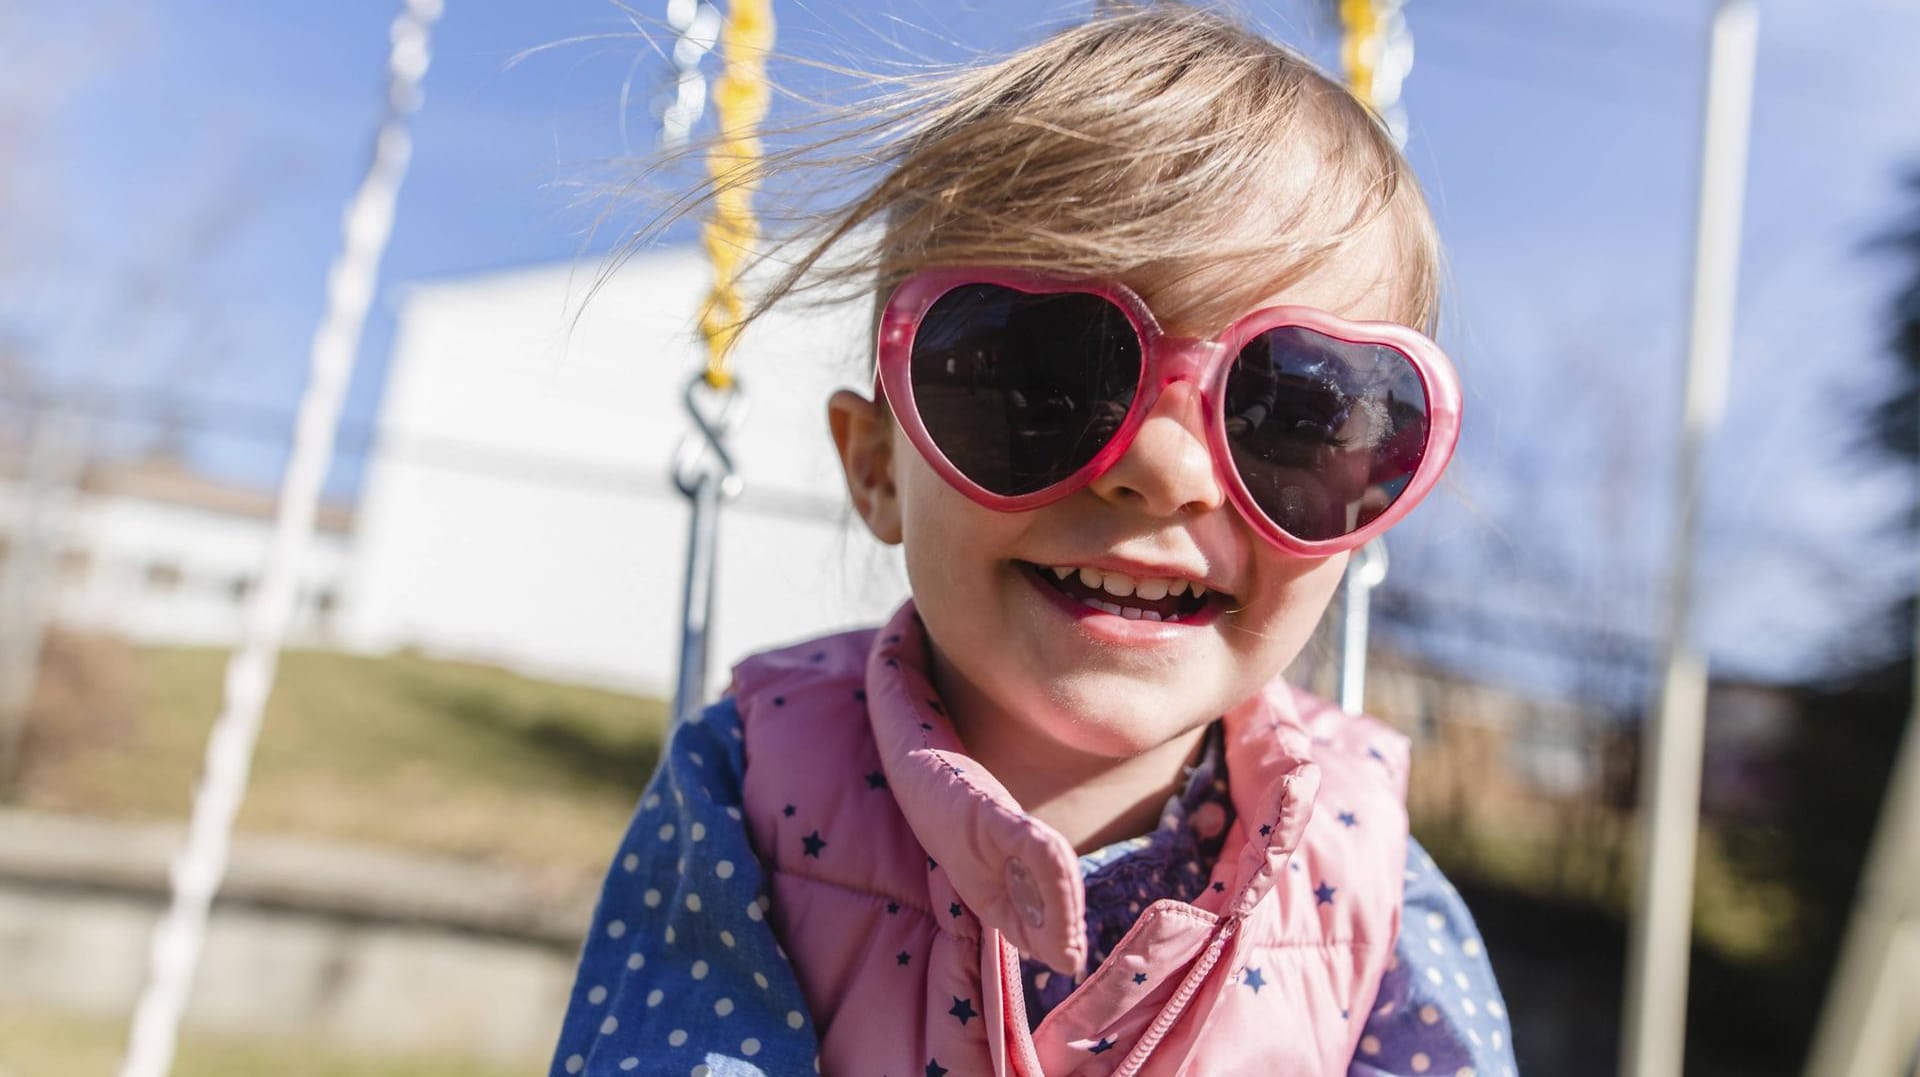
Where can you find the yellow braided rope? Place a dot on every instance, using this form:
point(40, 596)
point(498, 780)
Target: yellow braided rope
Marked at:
point(1360, 46)
point(739, 104)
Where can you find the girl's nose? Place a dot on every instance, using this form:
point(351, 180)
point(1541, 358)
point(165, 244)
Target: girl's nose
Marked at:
point(1168, 469)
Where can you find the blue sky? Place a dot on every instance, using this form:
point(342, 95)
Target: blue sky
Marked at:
point(200, 153)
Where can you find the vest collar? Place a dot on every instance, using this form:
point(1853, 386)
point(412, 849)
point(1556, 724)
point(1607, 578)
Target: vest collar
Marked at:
point(1019, 875)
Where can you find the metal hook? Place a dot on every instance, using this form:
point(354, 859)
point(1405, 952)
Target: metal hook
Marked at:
point(702, 454)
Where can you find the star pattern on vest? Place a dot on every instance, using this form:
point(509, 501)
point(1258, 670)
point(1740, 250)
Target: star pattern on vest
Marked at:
point(963, 1009)
point(1253, 978)
point(788, 811)
point(1348, 819)
point(1139, 977)
point(814, 843)
point(903, 958)
point(892, 907)
point(1102, 1047)
point(876, 780)
point(954, 908)
point(1323, 894)
point(935, 1069)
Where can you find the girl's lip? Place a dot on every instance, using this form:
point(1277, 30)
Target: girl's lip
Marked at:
point(1112, 628)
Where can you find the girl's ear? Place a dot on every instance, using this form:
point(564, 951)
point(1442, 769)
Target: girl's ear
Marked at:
point(863, 433)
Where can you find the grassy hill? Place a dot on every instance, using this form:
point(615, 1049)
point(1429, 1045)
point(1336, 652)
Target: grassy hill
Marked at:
point(442, 757)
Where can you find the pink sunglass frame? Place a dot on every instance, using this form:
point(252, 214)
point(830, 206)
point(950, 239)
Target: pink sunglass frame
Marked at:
point(1165, 360)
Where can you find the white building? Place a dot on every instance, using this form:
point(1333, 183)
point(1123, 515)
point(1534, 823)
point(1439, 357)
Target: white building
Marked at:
point(518, 507)
point(155, 553)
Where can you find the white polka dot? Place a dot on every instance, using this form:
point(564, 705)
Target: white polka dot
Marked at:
point(794, 1020)
point(699, 970)
point(749, 1047)
point(1385, 1009)
point(723, 1007)
point(1434, 975)
point(629, 1063)
point(753, 911)
point(726, 938)
point(1498, 1039)
point(724, 869)
point(1460, 980)
point(677, 1037)
point(608, 1026)
point(1370, 1045)
point(654, 996)
point(652, 801)
point(651, 899)
point(733, 813)
point(666, 832)
point(1471, 947)
point(1494, 1008)
point(636, 960)
point(1474, 1036)
point(1467, 1005)
point(702, 1070)
point(693, 902)
point(597, 995)
point(575, 1063)
point(761, 979)
point(616, 928)
point(697, 761)
point(669, 934)
point(1463, 1071)
point(631, 862)
point(1420, 1062)
point(1434, 945)
point(1435, 921)
point(698, 831)
point(1429, 1015)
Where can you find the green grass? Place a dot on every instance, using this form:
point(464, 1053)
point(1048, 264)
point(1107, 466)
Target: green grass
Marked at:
point(440, 757)
point(43, 1044)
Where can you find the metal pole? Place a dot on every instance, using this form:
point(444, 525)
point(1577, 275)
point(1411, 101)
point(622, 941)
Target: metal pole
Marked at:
point(1366, 571)
point(1871, 1025)
point(1653, 1039)
point(201, 865)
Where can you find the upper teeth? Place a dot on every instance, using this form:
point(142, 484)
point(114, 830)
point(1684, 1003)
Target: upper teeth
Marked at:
point(1121, 585)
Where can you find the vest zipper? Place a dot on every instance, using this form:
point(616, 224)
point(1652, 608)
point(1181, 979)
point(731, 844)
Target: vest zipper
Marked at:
point(1023, 1058)
point(1177, 1005)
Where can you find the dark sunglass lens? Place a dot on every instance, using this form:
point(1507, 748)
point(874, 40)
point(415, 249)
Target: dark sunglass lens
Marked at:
point(1325, 433)
point(1020, 391)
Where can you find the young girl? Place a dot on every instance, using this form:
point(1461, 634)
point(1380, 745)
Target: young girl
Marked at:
point(1144, 379)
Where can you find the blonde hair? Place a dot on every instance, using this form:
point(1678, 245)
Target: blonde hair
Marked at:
point(1151, 139)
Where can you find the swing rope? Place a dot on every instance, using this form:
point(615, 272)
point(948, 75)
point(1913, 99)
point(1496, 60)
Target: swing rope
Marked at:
point(703, 468)
point(201, 865)
point(1377, 51)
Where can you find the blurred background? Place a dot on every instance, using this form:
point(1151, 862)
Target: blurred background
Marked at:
point(485, 629)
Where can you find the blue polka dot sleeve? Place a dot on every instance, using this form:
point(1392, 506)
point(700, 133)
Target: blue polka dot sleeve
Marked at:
point(1439, 1010)
point(680, 972)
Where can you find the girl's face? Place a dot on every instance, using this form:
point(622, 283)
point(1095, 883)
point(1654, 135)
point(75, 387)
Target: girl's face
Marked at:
point(1008, 647)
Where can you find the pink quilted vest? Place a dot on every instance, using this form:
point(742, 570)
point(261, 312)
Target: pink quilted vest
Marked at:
point(907, 883)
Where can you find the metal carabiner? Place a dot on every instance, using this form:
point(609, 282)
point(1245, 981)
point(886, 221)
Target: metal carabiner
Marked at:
point(703, 471)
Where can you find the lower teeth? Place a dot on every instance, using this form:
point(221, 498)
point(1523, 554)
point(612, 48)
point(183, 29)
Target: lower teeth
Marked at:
point(1129, 612)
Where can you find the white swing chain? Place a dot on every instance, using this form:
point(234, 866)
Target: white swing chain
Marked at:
point(697, 26)
point(202, 864)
